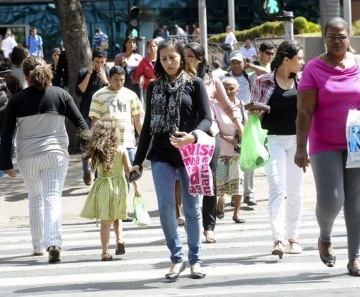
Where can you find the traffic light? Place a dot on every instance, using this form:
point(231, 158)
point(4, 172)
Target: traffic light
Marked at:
point(273, 8)
point(134, 22)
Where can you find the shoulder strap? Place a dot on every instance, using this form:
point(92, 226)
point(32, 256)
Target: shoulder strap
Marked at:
point(357, 59)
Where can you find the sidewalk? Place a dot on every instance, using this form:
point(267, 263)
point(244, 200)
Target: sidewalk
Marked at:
point(14, 202)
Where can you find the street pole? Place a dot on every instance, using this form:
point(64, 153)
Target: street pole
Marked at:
point(231, 13)
point(203, 26)
point(289, 25)
point(348, 14)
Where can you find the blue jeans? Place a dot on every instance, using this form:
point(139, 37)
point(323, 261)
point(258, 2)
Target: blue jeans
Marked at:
point(164, 176)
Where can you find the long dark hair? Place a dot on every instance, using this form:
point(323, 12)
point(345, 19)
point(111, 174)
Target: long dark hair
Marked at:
point(174, 43)
point(287, 49)
point(125, 41)
point(199, 52)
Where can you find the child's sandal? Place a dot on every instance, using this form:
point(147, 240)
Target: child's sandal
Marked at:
point(120, 248)
point(106, 257)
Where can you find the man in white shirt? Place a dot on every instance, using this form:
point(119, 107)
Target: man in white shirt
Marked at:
point(230, 39)
point(181, 34)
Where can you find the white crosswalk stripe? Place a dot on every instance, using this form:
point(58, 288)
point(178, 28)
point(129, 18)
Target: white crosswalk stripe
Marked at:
point(239, 263)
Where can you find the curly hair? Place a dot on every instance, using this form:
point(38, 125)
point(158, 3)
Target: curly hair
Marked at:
point(39, 74)
point(103, 144)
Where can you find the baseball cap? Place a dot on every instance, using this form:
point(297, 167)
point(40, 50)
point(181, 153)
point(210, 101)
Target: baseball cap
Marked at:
point(236, 55)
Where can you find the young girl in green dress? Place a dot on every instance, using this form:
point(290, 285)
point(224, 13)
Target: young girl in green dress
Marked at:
point(107, 198)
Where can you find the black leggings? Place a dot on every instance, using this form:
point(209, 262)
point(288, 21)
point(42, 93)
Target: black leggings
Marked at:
point(210, 202)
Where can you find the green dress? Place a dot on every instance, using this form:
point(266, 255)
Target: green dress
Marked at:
point(107, 199)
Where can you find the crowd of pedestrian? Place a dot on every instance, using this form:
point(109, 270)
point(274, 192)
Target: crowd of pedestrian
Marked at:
point(170, 99)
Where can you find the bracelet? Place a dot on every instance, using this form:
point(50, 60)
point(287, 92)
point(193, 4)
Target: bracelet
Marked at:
point(195, 135)
point(88, 73)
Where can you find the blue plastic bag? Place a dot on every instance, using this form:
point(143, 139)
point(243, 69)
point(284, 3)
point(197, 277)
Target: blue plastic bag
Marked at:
point(254, 150)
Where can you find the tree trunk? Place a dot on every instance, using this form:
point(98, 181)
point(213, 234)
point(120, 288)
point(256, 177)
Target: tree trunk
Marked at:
point(328, 9)
point(78, 51)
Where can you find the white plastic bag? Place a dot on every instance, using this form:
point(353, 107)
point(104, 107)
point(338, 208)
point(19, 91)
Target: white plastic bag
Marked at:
point(353, 139)
point(142, 217)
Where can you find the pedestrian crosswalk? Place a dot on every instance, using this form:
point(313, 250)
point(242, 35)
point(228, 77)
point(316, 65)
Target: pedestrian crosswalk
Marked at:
point(240, 263)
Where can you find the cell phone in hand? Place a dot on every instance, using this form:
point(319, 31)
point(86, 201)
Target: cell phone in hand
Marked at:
point(134, 175)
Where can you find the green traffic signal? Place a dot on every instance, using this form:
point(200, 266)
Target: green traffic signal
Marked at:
point(273, 7)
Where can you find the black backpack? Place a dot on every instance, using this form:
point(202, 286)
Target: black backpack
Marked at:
point(4, 95)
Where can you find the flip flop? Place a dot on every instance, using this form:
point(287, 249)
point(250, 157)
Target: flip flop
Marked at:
point(209, 238)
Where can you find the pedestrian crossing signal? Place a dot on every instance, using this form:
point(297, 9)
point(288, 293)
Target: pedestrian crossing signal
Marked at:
point(273, 8)
point(134, 22)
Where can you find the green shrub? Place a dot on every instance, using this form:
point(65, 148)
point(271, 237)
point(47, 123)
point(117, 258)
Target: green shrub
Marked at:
point(269, 29)
point(300, 24)
point(356, 28)
point(312, 28)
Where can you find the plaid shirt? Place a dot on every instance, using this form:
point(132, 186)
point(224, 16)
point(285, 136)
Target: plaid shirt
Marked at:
point(264, 87)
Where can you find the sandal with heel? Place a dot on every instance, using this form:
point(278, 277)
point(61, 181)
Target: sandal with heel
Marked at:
point(278, 249)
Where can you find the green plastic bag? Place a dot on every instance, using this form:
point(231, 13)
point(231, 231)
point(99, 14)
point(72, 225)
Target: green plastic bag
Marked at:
point(142, 217)
point(254, 150)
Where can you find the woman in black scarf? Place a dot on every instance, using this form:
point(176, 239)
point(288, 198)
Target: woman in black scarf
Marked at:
point(176, 105)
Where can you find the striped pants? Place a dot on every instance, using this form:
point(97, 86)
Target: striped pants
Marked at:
point(44, 178)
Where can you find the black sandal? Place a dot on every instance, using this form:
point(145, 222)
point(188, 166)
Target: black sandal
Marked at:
point(238, 221)
point(120, 248)
point(220, 215)
point(330, 260)
point(353, 271)
point(106, 257)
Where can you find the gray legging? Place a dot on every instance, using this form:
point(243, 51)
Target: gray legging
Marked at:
point(337, 186)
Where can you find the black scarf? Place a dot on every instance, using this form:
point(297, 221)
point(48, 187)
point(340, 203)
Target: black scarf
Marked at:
point(165, 114)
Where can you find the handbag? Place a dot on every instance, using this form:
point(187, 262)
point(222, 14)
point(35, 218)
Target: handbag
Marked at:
point(353, 139)
point(226, 47)
point(257, 106)
point(237, 146)
point(254, 150)
point(5, 95)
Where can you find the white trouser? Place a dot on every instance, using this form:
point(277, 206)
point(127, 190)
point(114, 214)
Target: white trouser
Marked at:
point(44, 178)
point(284, 180)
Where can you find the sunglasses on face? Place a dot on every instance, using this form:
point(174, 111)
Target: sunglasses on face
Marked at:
point(333, 37)
point(269, 53)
